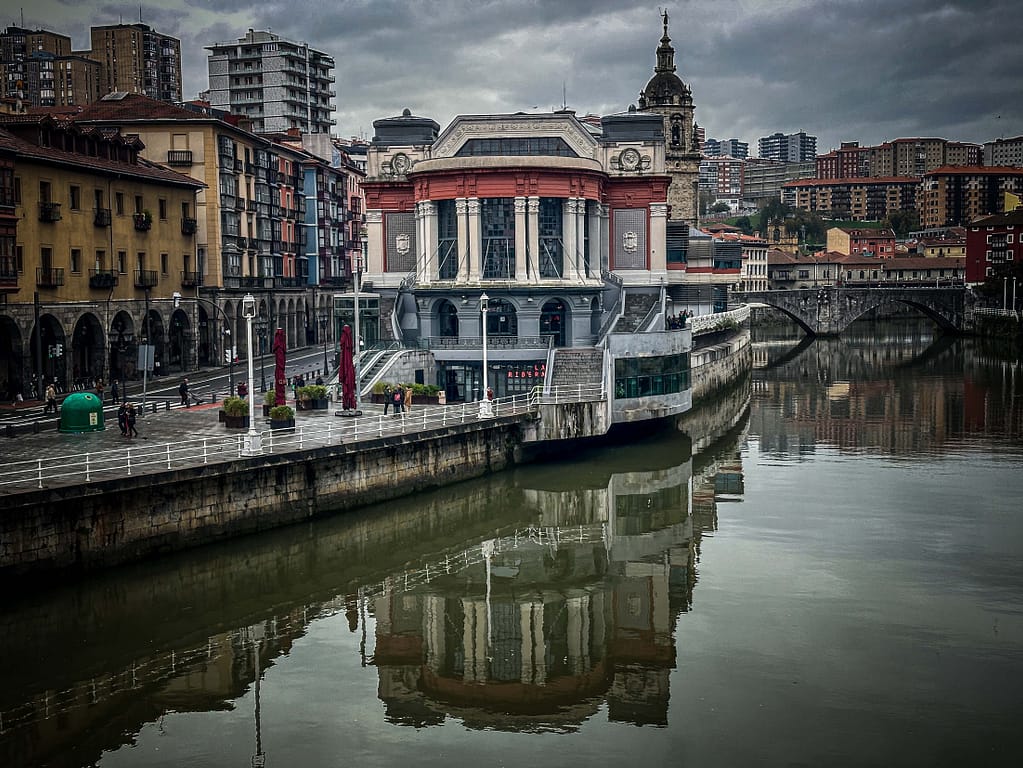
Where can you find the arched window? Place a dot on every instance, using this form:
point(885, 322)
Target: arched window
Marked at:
point(552, 321)
point(501, 319)
point(447, 320)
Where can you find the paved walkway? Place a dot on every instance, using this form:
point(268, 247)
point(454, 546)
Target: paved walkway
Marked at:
point(177, 424)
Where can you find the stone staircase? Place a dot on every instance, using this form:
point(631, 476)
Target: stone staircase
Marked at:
point(577, 366)
point(636, 307)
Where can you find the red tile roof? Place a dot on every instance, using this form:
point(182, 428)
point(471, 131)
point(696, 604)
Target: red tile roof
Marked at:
point(136, 107)
point(144, 169)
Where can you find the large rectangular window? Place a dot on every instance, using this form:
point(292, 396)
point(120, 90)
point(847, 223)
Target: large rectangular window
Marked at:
point(447, 240)
point(552, 251)
point(497, 223)
point(647, 376)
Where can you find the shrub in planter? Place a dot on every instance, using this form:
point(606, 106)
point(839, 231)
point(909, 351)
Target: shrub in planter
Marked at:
point(236, 412)
point(312, 396)
point(268, 402)
point(282, 416)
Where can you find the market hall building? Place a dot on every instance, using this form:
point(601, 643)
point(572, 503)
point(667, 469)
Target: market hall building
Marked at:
point(557, 221)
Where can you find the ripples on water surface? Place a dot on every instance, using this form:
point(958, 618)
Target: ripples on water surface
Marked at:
point(832, 579)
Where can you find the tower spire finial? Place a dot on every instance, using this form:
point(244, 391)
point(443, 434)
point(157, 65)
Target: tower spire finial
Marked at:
point(665, 12)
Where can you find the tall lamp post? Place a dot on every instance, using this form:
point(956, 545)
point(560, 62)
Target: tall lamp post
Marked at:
point(229, 353)
point(357, 341)
point(485, 409)
point(249, 313)
point(323, 315)
point(261, 326)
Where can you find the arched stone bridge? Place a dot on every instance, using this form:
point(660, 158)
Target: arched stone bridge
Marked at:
point(828, 311)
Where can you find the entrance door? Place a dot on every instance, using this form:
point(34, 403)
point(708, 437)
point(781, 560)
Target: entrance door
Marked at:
point(552, 321)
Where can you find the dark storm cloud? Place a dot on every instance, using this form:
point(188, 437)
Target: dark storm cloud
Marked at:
point(840, 69)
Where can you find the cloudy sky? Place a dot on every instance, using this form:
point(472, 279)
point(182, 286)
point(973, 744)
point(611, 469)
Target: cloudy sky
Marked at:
point(842, 70)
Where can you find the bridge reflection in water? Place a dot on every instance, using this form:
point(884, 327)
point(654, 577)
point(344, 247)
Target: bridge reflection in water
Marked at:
point(525, 601)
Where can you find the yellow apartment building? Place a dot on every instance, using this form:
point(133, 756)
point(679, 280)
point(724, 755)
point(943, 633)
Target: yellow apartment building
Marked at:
point(102, 242)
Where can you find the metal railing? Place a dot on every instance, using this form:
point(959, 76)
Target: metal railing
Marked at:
point(149, 458)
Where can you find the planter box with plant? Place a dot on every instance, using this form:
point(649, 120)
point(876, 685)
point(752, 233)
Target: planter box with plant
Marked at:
point(268, 402)
point(312, 397)
point(235, 413)
point(282, 417)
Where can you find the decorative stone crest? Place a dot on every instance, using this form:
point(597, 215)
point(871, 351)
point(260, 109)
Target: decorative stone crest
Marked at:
point(630, 242)
point(400, 163)
point(402, 244)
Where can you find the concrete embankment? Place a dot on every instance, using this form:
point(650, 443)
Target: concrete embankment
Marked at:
point(116, 521)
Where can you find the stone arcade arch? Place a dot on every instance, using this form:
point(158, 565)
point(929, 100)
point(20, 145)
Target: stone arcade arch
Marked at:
point(86, 351)
point(554, 320)
point(54, 367)
point(12, 374)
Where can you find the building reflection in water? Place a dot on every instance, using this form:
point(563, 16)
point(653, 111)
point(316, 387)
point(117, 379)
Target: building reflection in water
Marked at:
point(903, 396)
point(524, 602)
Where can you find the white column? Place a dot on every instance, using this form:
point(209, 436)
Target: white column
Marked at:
point(533, 219)
point(580, 238)
point(475, 257)
point(526, 643)
point(461, 216)
point(598, 248)
point(658, 258)
point(604, 222)
point(374, 263)
point(427, 268)
point(520, 239)
point(568, 233)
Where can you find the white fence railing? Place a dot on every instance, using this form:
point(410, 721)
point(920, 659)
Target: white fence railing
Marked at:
point(719, 321)
point(139, 459)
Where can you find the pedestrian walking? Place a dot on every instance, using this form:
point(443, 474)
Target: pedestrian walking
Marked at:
point(396, 400)
point(387, 398)
point(122, 419)
point(408, 400)
point(51, 398)
point(113, 392)
point(183, 391)
point(99, 389)
point(132, 432)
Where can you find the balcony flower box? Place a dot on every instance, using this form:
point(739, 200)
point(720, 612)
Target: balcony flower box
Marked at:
point(143, 221)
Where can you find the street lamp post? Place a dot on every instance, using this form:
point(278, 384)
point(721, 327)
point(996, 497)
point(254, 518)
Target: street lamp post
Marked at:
point(249, 313)
point(230, 360)
point(323, 316)
point(485, 409)
point(357, 341)
point(261, 327)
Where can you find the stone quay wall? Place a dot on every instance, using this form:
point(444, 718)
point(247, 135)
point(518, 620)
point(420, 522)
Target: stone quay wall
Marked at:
point(718, 365)
point(87, 527)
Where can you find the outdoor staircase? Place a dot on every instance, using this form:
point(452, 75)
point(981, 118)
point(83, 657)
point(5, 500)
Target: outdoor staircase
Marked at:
point(577, 366)
point(637, 305)
point(380, 360)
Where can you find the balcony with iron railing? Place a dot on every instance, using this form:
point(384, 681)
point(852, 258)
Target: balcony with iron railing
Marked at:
point(143, 222)
point(49, 277)
point(49, 212)
point(189, 226)
point(179, 157)
point(8, 275)
point(101, 217)
point(191, 279)
point(146, 278)
point(102, 279)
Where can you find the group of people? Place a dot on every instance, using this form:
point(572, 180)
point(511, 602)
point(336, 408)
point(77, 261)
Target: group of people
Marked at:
point(400, 399)
point(679, 321)
point(126, 420)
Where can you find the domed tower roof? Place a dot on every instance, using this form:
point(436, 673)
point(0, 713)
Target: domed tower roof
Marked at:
point(665, 87)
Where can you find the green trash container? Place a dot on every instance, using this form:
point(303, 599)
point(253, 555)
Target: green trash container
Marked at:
point(81, 412)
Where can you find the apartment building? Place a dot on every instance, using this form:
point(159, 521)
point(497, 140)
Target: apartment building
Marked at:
point(861, 242)
point(722, 176)
point(917, 156)
point(103, 239)
point(994, 246)
point(764, 179)
point(788, 147)
point(278, 84)
point(721, 147)
point(135, 58)
point(860, 199)
point(251, 233)
point(1004, 152)
point(39, 69)
point(849, 161)
point(954, 196)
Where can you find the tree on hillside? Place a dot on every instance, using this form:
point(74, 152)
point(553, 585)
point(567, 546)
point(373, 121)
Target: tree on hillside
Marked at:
point(809, 224)
point(902, 222)
point(745, 225)
point(774, 211)
point(720, 207)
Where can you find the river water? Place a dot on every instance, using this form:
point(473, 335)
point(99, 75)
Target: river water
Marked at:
point(826, 573)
